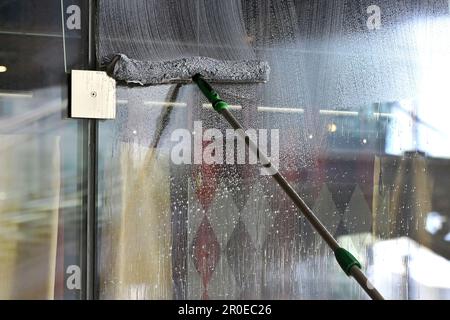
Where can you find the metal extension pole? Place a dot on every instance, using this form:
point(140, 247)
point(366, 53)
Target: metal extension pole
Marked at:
point(346, 260)
point(281, 181)
point(354, 271)
point(91, 179)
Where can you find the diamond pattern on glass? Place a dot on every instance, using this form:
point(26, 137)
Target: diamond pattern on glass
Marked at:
point(205, 253)
point(241, 256)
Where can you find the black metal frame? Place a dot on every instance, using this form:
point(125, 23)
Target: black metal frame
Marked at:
point(89, 224)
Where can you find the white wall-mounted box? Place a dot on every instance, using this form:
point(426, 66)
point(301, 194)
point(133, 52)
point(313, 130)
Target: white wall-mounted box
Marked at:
point(93, 95)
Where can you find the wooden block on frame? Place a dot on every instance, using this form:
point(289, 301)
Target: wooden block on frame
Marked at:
point(93, 95)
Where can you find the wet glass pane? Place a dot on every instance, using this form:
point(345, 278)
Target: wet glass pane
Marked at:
point(357, 99)
point(41, 151)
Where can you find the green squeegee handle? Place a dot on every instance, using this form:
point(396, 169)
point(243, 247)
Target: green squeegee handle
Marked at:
point(345, 259)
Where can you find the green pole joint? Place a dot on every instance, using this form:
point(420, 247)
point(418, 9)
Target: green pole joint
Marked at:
point(213, 97)
point(346, 260)
point(220, 105)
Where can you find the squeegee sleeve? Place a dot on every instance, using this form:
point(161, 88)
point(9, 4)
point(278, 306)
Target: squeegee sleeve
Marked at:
point(213, 97)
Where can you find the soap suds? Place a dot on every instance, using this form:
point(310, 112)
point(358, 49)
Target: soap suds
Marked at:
point(182, 70)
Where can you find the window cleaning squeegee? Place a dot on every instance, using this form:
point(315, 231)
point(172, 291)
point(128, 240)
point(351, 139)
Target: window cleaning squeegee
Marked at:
point(203, 69)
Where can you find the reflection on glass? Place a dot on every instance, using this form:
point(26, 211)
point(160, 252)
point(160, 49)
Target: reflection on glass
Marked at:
point(41, 158)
